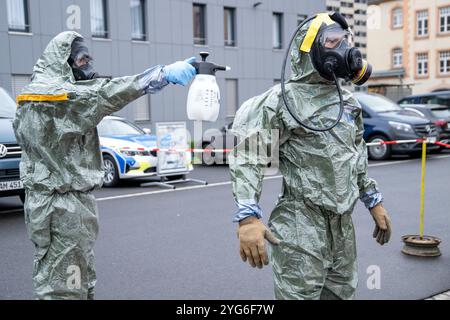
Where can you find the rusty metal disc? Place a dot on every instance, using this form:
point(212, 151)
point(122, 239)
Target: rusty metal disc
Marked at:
point(426, 246)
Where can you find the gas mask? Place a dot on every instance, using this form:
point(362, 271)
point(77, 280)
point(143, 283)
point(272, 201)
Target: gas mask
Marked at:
point(332, 52)
point(80, 61)
point(329, 45)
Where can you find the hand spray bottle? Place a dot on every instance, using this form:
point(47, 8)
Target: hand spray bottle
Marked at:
point(203, 102)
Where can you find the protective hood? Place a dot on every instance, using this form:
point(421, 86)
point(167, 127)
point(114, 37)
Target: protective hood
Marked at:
point(314, 99)
point(301, 64)
point(52, 65)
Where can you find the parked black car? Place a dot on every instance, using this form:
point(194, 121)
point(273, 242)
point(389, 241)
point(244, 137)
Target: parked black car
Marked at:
point(10, 152)
point(384, 120)
point(438, 114)
point(221, 139)
point(438, 97)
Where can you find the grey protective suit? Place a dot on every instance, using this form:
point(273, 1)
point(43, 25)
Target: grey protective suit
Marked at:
point(61, 164)
point(324, 173)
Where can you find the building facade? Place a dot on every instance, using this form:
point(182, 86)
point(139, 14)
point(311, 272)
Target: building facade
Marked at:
point(409, 46)
point(127, 36)
point(355, 12)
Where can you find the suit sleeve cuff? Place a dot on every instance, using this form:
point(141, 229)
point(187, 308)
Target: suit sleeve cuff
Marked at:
point(371, 198)
point(247, 209)
point(153, 79)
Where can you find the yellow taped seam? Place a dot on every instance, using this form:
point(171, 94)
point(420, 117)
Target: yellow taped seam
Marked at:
point(313, 30)
point(42, 97)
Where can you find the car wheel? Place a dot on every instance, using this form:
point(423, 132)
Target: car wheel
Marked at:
point(208, 158)
point(22, 197)
point(381, 152)
point(176, 177)
point(111, 178)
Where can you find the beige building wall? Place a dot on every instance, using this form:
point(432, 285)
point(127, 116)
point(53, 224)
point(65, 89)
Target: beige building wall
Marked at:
point(383, 38)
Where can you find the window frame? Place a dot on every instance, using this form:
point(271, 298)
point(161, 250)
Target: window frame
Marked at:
point(393, 25)
point(439, 74)
point(279, 19)
point(200, 41)
point(438, 21)
point(26, 13)
point(416, 65)
point(105, 34)
point(393, 55)
point(144, 21)
point(416, 33)
point(148, 104)
point(233, 41)
point(236, 102)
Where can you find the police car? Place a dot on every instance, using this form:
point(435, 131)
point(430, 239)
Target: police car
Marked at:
point(128, 151)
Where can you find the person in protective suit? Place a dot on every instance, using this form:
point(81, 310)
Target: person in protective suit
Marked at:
point(61, 165)
point(324, 172)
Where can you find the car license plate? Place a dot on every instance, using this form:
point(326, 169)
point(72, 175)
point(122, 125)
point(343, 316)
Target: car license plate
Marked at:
point(431, 139)
point(10, 185)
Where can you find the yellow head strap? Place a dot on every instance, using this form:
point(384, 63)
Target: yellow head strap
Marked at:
point(314, 29)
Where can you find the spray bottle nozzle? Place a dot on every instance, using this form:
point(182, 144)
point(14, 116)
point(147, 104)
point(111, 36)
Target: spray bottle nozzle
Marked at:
point(204, 55)
point(206, 67)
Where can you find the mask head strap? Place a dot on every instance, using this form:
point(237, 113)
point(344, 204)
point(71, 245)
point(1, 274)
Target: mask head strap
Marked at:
point(314, 29)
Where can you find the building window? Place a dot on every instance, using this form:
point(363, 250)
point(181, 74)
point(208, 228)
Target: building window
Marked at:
point(18, 82)
point(277, 30)
point(199, 12)
point(397, 18)
point(17, 15)
point(232, 96)
point(397, 58)
point(422, 23)
point(444, 20)
point(301, 18)
point(99, 21)
point(422, 64)
point(138, 24)
point(142, 109)
point(229, 26)
point(444, 62)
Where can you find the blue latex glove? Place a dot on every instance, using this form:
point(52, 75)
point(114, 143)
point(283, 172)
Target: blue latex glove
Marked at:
point(180, 72)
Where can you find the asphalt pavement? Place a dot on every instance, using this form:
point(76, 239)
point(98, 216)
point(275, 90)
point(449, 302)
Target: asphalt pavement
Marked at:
point(156, 243)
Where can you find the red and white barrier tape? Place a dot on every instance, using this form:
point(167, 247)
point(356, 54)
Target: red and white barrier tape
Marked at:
point(370, 144)
point(379, 143)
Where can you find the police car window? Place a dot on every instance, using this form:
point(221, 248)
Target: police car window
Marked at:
point(7, 105)
point(117, 128)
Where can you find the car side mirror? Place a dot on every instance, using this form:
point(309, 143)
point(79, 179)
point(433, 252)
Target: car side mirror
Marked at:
point(147, 130)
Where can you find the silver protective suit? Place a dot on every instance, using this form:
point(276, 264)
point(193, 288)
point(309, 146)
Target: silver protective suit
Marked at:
point(324, 174)
point(61, 164)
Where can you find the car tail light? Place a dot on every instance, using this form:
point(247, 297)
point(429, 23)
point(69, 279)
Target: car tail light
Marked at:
point(441, 123)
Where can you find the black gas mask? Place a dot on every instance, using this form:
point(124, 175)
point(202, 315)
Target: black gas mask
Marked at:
point(333, 52)
point(328, 41)
point(80, 61)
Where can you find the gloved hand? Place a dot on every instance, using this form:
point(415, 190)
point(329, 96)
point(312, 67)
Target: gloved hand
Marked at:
point(382, 231)
point(251, 234)
point(180, 72)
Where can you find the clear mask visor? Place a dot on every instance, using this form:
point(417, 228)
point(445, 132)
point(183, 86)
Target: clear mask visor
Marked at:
point(333, 38)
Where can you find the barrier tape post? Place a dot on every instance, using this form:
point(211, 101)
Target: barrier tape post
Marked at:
point(422, 188)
